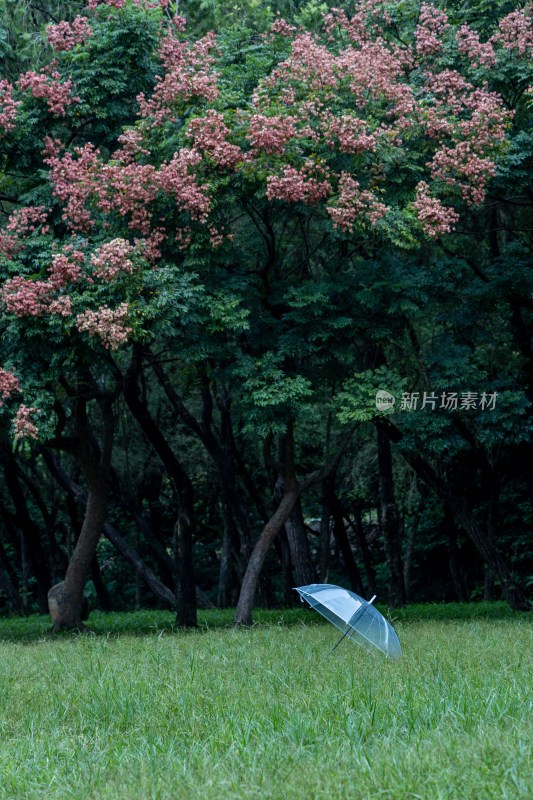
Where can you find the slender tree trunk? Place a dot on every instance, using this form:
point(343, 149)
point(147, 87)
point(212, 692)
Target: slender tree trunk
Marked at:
point(488, 551)
point(225, 570)
point(362, 545)
point(186, 598)
point(32, 552)
point(410, 543)
point(328, 488)
point(11, 593)
point(454, 559)
point(390, 523)
point(183, 549)
point(339, 531)
point(102, 594)
point(286, 568)
point(492, 530)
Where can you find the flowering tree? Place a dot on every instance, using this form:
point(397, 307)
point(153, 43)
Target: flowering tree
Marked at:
point(381, 131)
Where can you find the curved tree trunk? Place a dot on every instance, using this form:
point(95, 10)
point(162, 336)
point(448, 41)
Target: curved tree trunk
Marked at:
point(243, 613)
point(65, 599)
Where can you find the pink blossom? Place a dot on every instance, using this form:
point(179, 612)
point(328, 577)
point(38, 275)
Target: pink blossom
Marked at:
point(294, 184)
point(8, 384)
point(8, 106)
point(29, 298)
point(67, 267)
point(24, 427)
point(21, 224)
point(516, 33)
point(354, 203)
point(113, 258)
point(436, 218)
point(210, 134)
point(46, 85)
point(432, 23)
point(65, 35)
point(468, 44)
point(187, 74)
point(73, 180)
point(107, 324)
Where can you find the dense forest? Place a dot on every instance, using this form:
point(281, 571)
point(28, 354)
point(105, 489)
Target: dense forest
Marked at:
point(266, 303)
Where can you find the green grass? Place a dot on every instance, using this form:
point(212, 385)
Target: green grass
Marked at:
point(143, 711)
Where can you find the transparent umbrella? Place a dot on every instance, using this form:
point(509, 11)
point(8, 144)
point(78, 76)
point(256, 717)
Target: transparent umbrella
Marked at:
point(354, 616)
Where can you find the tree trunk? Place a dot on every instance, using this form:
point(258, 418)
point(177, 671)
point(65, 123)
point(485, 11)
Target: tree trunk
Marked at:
point(339, 531)
point(183, 551)
point(31, 543)
point(300, 550)
point(362, 545)
point(287, 579)
point(186, 598)
point(328, 487)
point(162, 592)
point(65, 599)
point(390, 523)
point(243, 613)
point(11, 593)
point(490, 555)
point(454, 560)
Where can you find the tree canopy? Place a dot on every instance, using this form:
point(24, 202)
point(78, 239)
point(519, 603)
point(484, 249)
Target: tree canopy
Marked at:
point(217, 247)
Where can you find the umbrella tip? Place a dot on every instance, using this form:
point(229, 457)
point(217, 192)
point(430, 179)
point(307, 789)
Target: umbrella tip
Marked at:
point(371, 601)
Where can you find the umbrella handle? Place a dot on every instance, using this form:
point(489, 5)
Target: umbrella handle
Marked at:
point(349, 628)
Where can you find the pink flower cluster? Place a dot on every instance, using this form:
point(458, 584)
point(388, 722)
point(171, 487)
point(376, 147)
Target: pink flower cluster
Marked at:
point(66, 35)
point(451, 164)
point(351, 133)
point(271, 133)
point(282, 28)
point(176, 180)
point(24, 427)
point(73, 179)
point(353, 203)
point(21, 224)
point(67, 267)
point(432, 23)
point(210, 134)
point(149, 246)
point(516, 33)
point(92, 5)
point(46, 85)
point(435, 217)
point(8, 384)
point(29, 298)
point(107, 324)
point(112, 259)
point(188, 74)
point(8, 106)
point(468, 44)
point(299, 184)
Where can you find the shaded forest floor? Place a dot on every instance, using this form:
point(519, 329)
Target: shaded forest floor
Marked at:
point(142, 710)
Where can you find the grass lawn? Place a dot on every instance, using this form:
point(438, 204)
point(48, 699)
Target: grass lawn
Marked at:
point(142, 711)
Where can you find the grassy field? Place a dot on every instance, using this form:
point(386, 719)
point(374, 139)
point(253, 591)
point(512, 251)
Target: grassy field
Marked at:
point(141, 711)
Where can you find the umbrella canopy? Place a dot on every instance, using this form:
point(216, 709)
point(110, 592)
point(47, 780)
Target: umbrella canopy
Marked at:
point(354, 616)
